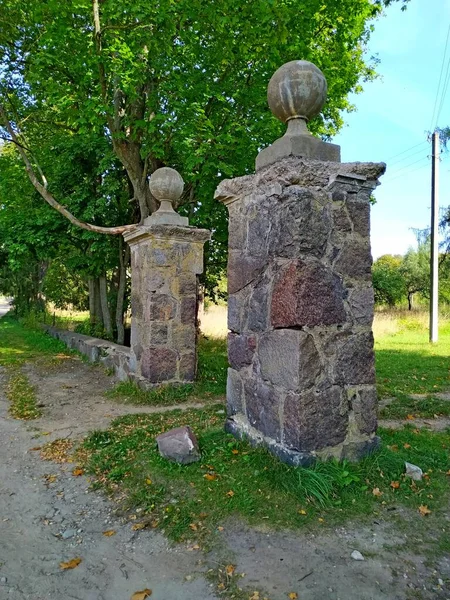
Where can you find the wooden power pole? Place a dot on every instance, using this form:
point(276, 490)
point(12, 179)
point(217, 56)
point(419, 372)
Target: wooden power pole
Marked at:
point(434, 258)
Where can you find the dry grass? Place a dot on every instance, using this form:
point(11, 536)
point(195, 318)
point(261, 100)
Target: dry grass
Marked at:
point(213, 321)
point(390, 322)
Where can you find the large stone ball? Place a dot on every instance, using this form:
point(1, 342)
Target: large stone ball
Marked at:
point(166, 184)
point(297, 89)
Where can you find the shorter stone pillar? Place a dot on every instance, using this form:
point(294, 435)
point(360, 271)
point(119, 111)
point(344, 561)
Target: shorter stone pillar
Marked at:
point(166, 260)
point(301, 379)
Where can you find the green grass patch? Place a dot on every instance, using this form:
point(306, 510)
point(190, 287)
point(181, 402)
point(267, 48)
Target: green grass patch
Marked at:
point(235, 479)
point(22, 396)
point(405, 406)
point(19, 344)
point(406, 363)
point(210, 384)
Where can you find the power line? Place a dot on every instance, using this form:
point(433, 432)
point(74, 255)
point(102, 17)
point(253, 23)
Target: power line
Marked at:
point(439, 83)
point(407, 157)
point(444, 90)
point(407, 150)
point(408, 171)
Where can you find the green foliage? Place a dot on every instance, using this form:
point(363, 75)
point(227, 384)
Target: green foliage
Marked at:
point(415, 269)
point(388, 281)
point(174, 83)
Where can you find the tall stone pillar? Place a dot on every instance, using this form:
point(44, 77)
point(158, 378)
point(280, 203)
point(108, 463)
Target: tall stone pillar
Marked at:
point(301, 379)
point(166, 260)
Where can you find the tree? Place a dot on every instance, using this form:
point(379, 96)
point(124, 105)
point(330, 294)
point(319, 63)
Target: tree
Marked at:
point(388, 280)
point(178, 83)
point(415, 269)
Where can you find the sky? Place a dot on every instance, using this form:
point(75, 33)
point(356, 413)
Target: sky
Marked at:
point(393, 116)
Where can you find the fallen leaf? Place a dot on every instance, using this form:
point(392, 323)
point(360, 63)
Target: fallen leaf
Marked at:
point(393, 448)
point(35, 449)
point(424, 510)
point(321, 520)
point(50, 478)
point(377, 492)
point(292, 596)
point(234, 451)
point(448, 472)
point(221, 586)
point(154, 524)
point(71, 564)
point(138, 526)
point(302, 511)
point(210, 477)
point(406, 446)
point(77, 472)
point(109, 533)
point(255, 596)
point(193, 526)
point(141, 595)
point(395, 485)
point(220, 528)
point(230, 569)
point(230, 494)
point(148, 481)
point(410, 417)
point(203, 515)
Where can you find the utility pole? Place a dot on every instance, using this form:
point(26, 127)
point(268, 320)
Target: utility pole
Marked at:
point(434, 258)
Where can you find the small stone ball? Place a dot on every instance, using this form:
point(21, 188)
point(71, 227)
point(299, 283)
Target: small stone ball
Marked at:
point(166, 184)
point(297, 89)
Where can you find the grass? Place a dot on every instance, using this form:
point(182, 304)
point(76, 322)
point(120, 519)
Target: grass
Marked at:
point(406, 363)
point(18, 346)
point(235, 479)
point(210, 384)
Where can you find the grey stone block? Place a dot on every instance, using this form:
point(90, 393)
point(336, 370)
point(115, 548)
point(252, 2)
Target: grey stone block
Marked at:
point(179, 445)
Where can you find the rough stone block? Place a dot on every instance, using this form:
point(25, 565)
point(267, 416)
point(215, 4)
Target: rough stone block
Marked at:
point(187, 367)
point(302, 224)
point(179, 445)
point(159, 364)
point(188, 284)
point(289, 359)
point(184, 336)
point(258, 307)
point(355, 362)
point(162, 307)
point(360, 215)
point(262, 405)
point(188, 310)
point(315, 420)
point(355, 260)
point(158, 333)
point(242, 269)
point(361, 301)
point(241, 349)
point(307, 294)
point(364, 404)
point(341, 219)
point(234, 392)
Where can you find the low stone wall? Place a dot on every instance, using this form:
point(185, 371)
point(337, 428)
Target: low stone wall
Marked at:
point(108, 354)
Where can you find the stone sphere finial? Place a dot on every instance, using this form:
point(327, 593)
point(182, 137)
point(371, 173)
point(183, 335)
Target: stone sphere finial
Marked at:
point(297, 90)
point(166, 184)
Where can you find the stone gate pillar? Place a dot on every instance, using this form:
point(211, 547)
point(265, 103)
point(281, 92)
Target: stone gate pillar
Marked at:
point(166, 259)
point(301, 379)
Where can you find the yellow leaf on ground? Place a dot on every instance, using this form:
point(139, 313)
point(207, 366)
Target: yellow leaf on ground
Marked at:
point(302, 511)
point(220, 528)
point(234, 451)
point(230, 494)
point(148, 481)
point(221, 586)
point(203, 515)
point(109, 533)
point(395, 485)
point(193, 526)
point(210, 477)
point(50, 478)
point(77, 472)
point(406, 446)
point(424, 510)
point(255, 596)
point(141, 595)
point(138, 526)
point(377, 492)
point(410, 417)
point(70, 564)
point(292, 596)
point(230, 569)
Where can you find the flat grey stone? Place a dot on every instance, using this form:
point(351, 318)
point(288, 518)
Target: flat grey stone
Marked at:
point(179, 445)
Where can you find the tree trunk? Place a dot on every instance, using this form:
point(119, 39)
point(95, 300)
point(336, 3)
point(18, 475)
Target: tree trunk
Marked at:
point(123, 262)
point(92, 314)
point(104, 306)
point(410, 300)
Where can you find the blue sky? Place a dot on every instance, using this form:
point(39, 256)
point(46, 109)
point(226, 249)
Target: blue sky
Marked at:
point(393, 115)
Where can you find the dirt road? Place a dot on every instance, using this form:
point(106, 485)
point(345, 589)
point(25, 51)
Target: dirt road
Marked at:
point(48, 516)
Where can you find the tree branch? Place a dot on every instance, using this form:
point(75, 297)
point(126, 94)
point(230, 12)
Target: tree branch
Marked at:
point(47, 196)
